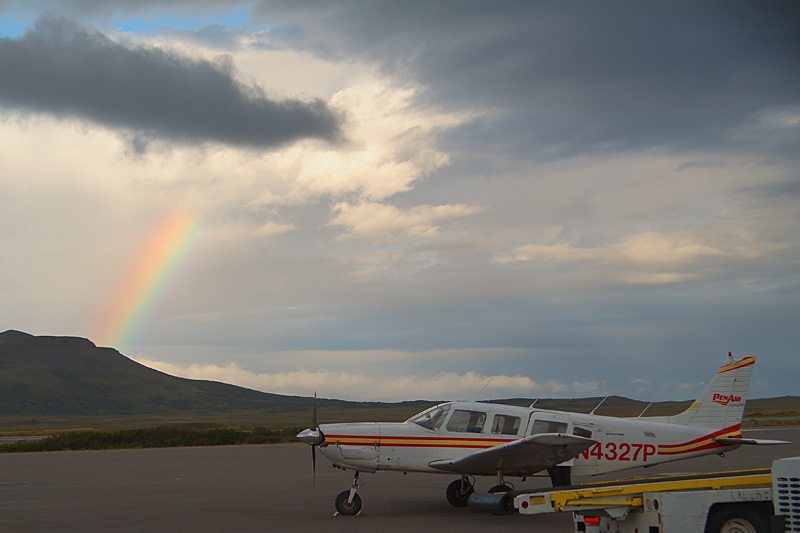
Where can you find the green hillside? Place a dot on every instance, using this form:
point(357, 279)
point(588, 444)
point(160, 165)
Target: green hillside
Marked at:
point(68, 375)
point(66, 382)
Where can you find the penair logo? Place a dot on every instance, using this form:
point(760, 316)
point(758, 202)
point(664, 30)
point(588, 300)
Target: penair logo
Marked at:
point(725, 400)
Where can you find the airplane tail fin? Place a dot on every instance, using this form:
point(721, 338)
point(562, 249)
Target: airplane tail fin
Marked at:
point(721, 404)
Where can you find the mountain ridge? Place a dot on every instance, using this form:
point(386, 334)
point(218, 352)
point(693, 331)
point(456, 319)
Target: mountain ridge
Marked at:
point(50, 381)
point(71, 375)
point(69, 382)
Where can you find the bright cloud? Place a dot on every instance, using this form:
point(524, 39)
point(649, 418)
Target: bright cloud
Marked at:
point(390, 145)
point(650, 257)
point(381, 222)
point(333, 384)
point(642, 249)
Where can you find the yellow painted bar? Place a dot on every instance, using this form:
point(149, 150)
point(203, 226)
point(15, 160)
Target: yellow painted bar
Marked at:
point(631, 502)
point(578, 497)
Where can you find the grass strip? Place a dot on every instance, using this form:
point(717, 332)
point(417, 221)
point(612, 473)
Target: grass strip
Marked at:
point(157, 437)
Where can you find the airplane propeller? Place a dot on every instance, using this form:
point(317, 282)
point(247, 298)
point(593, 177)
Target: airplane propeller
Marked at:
point(314, 437)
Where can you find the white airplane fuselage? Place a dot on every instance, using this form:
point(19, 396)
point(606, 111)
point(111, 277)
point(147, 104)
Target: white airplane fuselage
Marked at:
point(621, 443)
point(489, 439)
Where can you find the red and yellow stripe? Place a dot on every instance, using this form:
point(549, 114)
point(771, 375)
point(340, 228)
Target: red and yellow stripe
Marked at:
point(747, 361)
point(706, 442)
point(412, 442)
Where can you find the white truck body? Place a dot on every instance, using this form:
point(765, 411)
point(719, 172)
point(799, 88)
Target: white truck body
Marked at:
point(740, 502)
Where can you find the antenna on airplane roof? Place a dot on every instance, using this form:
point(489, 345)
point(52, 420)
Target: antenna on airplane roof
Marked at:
point(598, 405)
point(645, 409)
point(480, 391)
point(534, 403)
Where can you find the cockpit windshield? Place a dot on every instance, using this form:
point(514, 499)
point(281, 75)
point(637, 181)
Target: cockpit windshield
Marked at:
point(431, 418)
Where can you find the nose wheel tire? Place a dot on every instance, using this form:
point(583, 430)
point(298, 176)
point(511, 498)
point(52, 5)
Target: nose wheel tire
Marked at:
point(458, 493)
point(499, 488)
point(344, 507)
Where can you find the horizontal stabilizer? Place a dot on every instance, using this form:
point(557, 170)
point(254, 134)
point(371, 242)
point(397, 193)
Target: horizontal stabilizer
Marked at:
point(751, 442)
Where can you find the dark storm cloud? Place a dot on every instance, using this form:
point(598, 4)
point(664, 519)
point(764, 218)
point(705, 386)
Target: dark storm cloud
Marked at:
point(62, 68)
point(571, 77)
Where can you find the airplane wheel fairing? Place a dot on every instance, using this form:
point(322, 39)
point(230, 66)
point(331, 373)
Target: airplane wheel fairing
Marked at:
point(345, 508)
point(457, 497)
point(499, 488)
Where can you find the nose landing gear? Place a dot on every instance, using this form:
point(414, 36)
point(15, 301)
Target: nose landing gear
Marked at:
point(348, 502)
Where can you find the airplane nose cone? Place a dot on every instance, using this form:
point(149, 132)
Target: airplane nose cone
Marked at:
point(311, 436)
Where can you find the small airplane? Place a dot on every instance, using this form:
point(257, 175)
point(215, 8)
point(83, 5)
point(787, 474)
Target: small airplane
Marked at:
point(486, 439)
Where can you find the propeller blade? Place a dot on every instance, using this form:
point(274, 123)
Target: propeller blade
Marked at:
point(315, 428)
point(314, 412)
point(314, 466)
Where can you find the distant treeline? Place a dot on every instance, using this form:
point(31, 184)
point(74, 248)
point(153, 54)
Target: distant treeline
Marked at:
point(159, 437)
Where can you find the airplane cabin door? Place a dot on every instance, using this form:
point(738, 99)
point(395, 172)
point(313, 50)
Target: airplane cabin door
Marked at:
point(549, 422)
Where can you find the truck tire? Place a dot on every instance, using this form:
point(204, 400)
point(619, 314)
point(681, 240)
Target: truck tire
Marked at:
point(737, 518)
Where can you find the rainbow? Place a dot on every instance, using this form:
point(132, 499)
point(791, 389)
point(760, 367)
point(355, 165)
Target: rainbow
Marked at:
point(156, 265)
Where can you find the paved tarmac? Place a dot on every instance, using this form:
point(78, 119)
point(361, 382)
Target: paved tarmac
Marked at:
point(267, 488)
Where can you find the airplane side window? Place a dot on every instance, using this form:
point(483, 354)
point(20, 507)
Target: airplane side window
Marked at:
point(505, 424)
point(547, 426)
point(463, 421)
point(581, 432)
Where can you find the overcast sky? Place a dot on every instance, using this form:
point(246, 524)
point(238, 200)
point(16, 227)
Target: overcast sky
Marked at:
point(402, 200)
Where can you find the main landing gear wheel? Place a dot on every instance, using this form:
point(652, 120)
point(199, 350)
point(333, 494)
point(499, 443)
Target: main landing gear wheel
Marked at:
point(458, 492)
point(345, 507)
point(499, 488)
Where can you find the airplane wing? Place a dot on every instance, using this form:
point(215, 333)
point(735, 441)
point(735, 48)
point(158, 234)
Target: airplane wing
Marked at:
point(752, 442)
point(521, 457)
